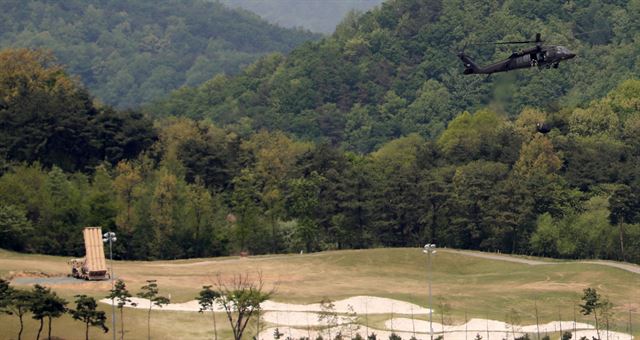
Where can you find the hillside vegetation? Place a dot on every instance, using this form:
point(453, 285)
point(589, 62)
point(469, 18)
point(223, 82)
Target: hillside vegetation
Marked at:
point(132, 52)
point(179, 187)
point(393, 71)
point(185, 188)
point(316, 15)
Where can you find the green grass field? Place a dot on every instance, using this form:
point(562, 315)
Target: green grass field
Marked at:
point(483, 288)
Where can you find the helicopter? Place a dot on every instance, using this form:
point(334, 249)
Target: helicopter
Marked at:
point(540, 56)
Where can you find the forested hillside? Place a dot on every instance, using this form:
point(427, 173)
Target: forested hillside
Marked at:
point(316, 15)
point(131, 52)
point(185, 188)
point(371, 137)
point(393, 71)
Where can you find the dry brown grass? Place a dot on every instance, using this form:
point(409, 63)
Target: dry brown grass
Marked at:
point(481, 287)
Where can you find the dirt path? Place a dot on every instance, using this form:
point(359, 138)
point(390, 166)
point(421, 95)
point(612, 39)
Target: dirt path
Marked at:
point(500, 257)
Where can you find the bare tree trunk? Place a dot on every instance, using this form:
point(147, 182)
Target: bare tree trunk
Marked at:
point(575, 327)
point(40, 329)
point(413, 324)
point(595, 316)
point(258, 331)
point(86, 331)
point(49, 335)
point(621, 229)
point(630, 327)
point(487, 327)
point(21, 328)
point(149, 322)
point(121, 323)
point(537, 319)
point(215, 327)
point(465, 324)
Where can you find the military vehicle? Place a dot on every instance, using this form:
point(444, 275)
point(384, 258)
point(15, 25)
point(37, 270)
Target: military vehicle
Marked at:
point(94, 265)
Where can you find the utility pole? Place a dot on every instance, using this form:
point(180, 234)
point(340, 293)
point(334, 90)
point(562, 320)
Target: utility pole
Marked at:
point(430, 249)
point(111, 237)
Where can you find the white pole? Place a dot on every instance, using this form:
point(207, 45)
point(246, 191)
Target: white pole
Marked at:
point(113, 307)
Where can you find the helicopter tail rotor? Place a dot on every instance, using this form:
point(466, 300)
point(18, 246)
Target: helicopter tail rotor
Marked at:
point(470, 67)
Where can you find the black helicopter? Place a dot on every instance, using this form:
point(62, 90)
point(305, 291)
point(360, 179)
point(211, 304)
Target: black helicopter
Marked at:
point(540, 56)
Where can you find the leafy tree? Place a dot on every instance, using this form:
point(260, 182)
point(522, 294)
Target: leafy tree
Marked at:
point(593, 305)
point(623, 204)
point(328, 315)
point(302, 200)
point(241, 298)
point(207, 301)
point(14, 227)
point(48, 117)
point(19, 303)
point(127, 179)
point(156, 47)
point(86, 311)
point(121, 295)
point(46, 304)
point(150, 292)
point(5, 296)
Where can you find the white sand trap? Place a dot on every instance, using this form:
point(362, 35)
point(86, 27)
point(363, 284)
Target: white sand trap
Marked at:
point(359, 304)
point(296, 333)
point(189, 306)
point(481, 325)
point(556, 326)
point(305, 319)
point(294, 319)
point(499, 329)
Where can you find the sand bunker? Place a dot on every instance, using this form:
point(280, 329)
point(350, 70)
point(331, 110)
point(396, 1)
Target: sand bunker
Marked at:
point(304, 319)
point(481, 325)
point(357, 304)
point(349, 332)
point(296, 320)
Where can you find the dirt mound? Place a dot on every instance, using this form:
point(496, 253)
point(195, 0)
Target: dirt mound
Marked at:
point(30, 274)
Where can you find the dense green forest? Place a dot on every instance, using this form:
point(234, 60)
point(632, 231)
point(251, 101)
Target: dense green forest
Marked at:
point(178, 187)
point(316, 15)
point(132, 52)
point(393, 71)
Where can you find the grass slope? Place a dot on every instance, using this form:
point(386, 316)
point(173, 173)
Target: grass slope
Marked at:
point(481, 287)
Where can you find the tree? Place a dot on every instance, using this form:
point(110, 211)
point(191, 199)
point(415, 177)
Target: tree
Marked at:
point(593, 305)
point(150, 292)
point(127, 180)
point(46, 304)
point(86, 312)
point(328, 315)
point(623, 205)
point(14, 226)
point(301, 203)
point(120, 294)
point(241, 299)
point(20, 302)
point(5, 295)
point(207, 300)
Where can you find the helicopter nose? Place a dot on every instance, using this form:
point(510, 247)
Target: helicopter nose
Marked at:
point(570, 55)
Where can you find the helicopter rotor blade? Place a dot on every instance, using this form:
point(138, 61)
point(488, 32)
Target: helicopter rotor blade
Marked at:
point(537, 41)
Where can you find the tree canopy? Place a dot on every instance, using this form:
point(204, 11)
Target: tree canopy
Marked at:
point(132, 53)
point(393, 71)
